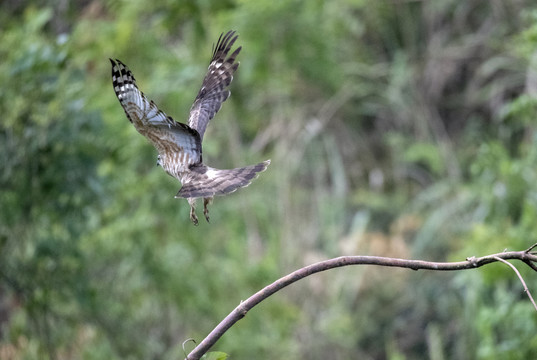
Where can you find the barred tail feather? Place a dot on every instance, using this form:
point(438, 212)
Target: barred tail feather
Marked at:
point(206, 181)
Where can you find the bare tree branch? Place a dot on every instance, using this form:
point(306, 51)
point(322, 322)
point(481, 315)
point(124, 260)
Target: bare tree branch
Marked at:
point(240, 311)
point(526, 290)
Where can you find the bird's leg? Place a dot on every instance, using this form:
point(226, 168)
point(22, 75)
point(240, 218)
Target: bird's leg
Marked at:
point(206, 202)
point(193, 217)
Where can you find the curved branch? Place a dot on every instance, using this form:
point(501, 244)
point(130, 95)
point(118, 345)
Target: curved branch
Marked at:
point(526, 290)
point(240, 311)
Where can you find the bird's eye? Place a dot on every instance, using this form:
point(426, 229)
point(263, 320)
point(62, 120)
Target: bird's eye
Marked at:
point(158, 160)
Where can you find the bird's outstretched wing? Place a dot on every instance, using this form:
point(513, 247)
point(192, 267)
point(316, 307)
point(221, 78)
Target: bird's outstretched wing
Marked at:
point(214, 90)
point(204, 181)
point(166, 134)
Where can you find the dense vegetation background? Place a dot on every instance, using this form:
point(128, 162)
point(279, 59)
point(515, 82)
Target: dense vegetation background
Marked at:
point(395, 128)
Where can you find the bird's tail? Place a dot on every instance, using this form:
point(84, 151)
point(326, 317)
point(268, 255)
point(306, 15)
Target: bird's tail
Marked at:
point(207, 182)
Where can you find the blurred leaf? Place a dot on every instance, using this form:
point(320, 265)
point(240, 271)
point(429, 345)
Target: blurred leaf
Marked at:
point(215, 355)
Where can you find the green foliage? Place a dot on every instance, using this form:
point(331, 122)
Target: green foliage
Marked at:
point(215, 355)
point(401, 129)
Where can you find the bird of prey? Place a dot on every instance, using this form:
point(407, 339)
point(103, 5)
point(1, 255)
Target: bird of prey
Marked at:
point(179, 144)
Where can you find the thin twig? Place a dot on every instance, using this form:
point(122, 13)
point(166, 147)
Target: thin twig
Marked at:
point(526, 290)
point(240, 311)
point(531, 248)
point(184, 343)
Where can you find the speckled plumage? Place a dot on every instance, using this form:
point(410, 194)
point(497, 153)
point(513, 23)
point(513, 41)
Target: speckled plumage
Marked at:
point(178, 144)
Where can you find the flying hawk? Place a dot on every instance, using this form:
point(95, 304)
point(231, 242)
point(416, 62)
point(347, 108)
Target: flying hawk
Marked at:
point(178, 144)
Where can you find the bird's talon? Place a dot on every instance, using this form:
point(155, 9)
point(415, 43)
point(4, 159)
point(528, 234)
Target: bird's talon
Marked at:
point(206, 213)
point(194, 218)
point(206, 202)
